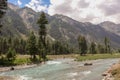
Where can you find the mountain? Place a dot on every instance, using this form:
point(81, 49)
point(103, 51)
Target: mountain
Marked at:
point(13, 25)
point(13, 7)
point(112, 27)
point(92, 32)
point(19, 21)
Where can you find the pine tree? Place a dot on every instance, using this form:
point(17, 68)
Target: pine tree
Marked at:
point(5, 45)
point(49, 47)
point(100, 48)
point(9, 42)
point(22, 46)
point(42, 21)
point(16, 41)
point(82, 45)
point(93, 48)
point(31, 46)
point(107, 45)
point(56, 47)
point(3, 7)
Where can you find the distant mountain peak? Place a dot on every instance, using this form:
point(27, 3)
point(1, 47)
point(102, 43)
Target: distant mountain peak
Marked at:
point(66, 19)
point(63, 17)
point(108, 22)
point(27, 8)
point(13, 6)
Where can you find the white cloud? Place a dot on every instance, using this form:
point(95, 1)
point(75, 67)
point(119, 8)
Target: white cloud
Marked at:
point(19, 2)
point(36, 5)
point(94, 11)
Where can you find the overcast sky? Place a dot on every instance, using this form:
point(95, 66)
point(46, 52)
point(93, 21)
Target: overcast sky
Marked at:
point(94, 11)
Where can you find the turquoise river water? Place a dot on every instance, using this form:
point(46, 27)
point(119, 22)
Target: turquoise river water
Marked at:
point(63, 69)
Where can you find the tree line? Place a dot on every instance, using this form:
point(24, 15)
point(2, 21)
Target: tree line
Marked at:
point(93, 47)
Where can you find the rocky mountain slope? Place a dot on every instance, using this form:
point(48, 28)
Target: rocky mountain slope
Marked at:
point(19, 21)
point(112, 27)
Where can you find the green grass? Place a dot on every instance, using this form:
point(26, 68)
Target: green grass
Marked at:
point(17, 61)
point(22, 61)
point(97, 56)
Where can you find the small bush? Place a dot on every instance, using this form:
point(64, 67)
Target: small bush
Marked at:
point(11, 54)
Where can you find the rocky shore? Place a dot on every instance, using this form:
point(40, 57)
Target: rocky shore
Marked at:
point(3, 69)
point(19, 67)
point(8, 78)
point(108, 74)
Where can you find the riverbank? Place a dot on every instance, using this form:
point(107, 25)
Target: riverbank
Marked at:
point(97, 56)
point(18, 67)
point(7, 77)
point(24, 61)
point(113, 73)
point(116, 71)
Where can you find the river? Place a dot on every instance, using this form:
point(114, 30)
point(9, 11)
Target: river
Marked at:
point(64, 69)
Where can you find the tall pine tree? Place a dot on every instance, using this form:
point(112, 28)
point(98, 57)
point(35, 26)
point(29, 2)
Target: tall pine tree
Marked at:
point(42, 21)
point(82, 45)
point(107, 45)
point(93, 48)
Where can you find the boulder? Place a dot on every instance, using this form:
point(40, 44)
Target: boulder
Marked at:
point(104, 74)
point(12, 68)
point(88, 64)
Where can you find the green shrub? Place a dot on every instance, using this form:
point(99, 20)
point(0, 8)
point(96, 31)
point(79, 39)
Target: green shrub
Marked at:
point(11, 54)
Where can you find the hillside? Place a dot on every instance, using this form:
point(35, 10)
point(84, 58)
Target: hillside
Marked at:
point(19, 21)
point(112, 27)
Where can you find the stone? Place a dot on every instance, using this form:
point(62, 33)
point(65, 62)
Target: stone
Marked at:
point(12, 68)
point(88, 64)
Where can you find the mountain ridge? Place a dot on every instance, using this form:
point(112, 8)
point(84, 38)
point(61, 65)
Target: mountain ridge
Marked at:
point(60, 27)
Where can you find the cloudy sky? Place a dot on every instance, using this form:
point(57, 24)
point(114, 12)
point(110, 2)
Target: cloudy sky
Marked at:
point(94, 11)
